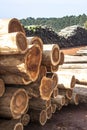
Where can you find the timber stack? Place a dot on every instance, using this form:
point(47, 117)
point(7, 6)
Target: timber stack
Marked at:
point(31, 85)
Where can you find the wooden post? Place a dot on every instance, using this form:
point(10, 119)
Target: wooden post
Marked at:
point(10, 25)
point(2, 87)
point(27, 65)
point(13, 103)
point(13, 43)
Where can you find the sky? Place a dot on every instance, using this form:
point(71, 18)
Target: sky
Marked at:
point(41, 8)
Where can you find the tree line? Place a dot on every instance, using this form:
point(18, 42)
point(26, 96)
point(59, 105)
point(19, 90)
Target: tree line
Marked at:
point(56, 23)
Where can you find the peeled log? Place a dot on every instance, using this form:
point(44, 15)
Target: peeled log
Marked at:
point(39, 116)
point(50, 55)
point(81, 90)
point(10, 125)
point(13, 43)
point(13, 103)
point(35, 40)
point(2, 87)
point(26, 65)
point(10, 25)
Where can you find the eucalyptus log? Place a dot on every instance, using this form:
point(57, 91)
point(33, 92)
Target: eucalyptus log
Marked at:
point(39, 116)
point(81, 90)
point(68, 80)
point(2, 87)
point(60, 99)
point(35, 40)
point(13, 103)
point(61, 58)
point(50, 55)
point(13, 43)
point(10, 125)
point(26, 65)
point(25, 119)
point(49, 112)
point(10, 25)
point(75, 59)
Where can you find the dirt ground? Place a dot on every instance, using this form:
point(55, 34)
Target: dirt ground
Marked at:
point(70, 117)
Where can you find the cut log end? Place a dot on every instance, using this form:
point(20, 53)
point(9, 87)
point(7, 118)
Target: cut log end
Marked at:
point(61, 58)
point(43, 117)
point(46, 88)
point(73, 81)
point(69, 93)
point(2, 87)
point(15, 26)
point(33, 61)
point(21, 41)
point(53, 108)
point(19, 103)
point(54, 68)
point(25, 119)
point(55, 55)
point(49, 112)
point(18, 126)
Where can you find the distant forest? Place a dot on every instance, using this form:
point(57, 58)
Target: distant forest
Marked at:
point(56, 23)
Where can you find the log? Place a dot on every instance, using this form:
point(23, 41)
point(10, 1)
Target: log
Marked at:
point(35, 40)
point(26, 65)
point(55, 92)
point(10, 25)
point(81, 90)
point(61, 58)
point(68, 80)
point(13, 103)
point(59, 100)
point(2, 87)
point(74, 99)
point(59, 107)
point(53, 68)
point(10, 125)
point(75, 59)
point(25, 119)
point(50, 55)
point(53, 108)
point(49, 112)
point(13, 43)
point(39, 116)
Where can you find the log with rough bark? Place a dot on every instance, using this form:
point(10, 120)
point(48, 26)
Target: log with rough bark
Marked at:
point(80, 74)
point(49, 112)
point(10, 25)
point(68, 80)
point(61, 58)
point(75, 59)
point(13, 103)
point(35, 40)
point(39, 116)
point(13, 43)
point(51, 55)
point(81, 90)
point(60, 99)
point(2, 87)
point(38, 104)
point(27, 65)
point(10, 125)
point(25, 119)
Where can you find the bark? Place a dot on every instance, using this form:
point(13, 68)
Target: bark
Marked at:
point(2, 88)
point(13, 103)
point(13, 43)
point(39, 116)
point(10, 125)
point(26, 65)
point(10, 25)
point(81, 90)
point(50, 55)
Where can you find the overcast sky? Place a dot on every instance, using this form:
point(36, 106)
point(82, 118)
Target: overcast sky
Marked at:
point(41, 8)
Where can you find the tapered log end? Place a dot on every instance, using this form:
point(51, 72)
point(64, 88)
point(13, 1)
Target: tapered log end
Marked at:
point(33, 61)
point(55, 55)
point(2, 87)
point(46, 88)
point(18, 126)
point(19, 103)
point(21, 42)
point(43, 117)
point(15, 26)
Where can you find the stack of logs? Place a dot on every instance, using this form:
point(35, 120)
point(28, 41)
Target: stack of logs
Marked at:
point(31, 85)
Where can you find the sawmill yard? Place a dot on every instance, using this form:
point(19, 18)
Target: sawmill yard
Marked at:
point(43, 78)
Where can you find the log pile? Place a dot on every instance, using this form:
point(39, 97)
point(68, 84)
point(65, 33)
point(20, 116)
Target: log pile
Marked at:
point(31, 86)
